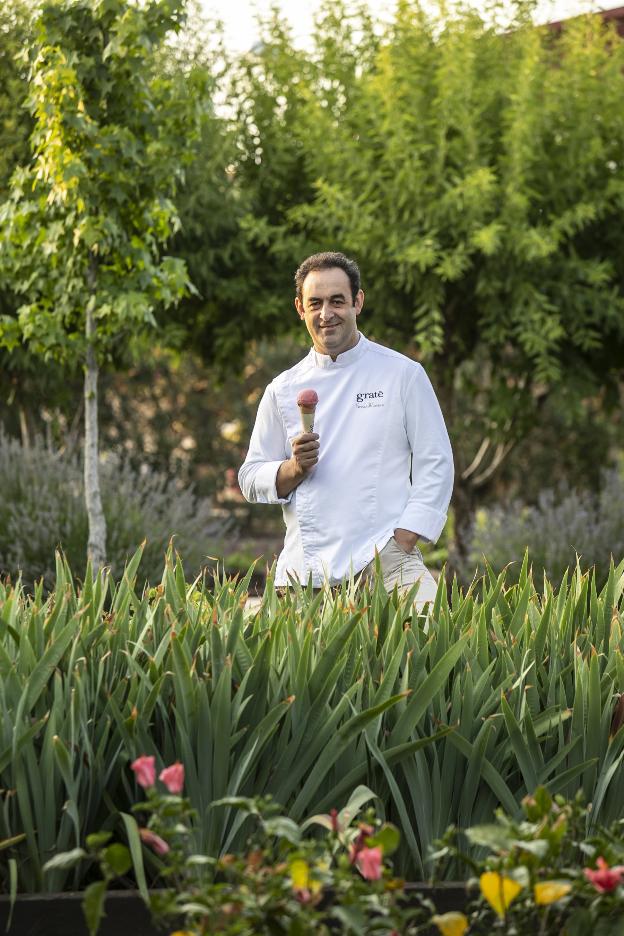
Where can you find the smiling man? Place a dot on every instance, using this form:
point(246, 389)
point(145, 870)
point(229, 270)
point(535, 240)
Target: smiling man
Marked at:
point(376, 475)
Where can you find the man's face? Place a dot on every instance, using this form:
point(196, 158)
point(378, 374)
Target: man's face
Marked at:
point(329, 312)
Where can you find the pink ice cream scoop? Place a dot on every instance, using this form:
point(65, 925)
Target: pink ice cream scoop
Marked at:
point(306, 401)
point(307, 398)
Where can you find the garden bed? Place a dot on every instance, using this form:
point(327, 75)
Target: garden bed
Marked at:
point(127, 915)
point(61, 915)
point(303, 700)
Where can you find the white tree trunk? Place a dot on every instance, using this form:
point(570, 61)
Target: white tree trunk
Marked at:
point(96, 549)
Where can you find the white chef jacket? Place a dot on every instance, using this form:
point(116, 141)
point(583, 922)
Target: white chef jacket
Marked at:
point(376, 412)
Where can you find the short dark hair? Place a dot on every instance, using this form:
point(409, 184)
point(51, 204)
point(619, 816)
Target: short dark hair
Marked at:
point(325, 261)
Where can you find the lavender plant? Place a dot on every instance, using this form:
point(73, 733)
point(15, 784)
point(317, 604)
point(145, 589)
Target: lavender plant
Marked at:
point(42, 509)
point(562, 525)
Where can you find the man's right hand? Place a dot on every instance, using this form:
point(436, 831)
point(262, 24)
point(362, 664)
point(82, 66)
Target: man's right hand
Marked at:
point(305, 455)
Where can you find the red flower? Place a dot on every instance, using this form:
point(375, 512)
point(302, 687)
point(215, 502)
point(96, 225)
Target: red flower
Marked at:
point(145, 770)
point(333, 815)
point(360, 842)
point(173, 777)
point(605, 879)
point(154, 841)
point(369, 863)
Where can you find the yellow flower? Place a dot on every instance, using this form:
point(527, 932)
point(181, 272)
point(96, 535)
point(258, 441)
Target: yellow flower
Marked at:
point(184, 933)
point(451, 924)
point(499, 891)
point(548, 892)
point(299, 874)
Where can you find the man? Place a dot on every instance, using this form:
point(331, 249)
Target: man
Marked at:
point(345, 488)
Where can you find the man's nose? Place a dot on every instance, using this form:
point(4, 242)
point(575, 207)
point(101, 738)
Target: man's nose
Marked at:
point(326, 311)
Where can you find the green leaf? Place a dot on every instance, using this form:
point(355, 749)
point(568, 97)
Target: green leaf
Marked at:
point(98, 839)
point(580, 923)
point(118, 857)
point(422, 698)
point(136, 851)
point(13, 840)
point(93, 905)
point(282, 827)
point(521, 748)
point(352, 919)
point(65, 860)
point(387, 838)
point(492, 836)
point(537, 847)
point(12, 890)
point(360, 796)
point(399, 801)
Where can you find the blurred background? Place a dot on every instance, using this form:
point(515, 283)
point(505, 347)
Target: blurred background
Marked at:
point(472, 161)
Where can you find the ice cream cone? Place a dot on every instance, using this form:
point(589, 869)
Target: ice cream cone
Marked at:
point(307, 418)
point(306, 401)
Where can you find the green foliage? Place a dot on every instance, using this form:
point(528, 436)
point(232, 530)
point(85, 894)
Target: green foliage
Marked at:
point(444, 718)
point(15, 125)
point(283, 878)
point(481, 159)
point(173, 412)
point(549, 859)
point(43, 509)
point(475, 172)
point(87, 220)
point(561, 524)
point(15, 122)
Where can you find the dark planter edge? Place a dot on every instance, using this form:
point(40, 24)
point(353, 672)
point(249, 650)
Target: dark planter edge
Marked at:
point(126, 914)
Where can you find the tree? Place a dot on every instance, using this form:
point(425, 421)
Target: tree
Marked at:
point(15, 123)
point(477, 174)
point(87, 221)
point(237, 200)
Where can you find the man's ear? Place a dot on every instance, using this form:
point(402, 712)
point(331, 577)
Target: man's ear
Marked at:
point(299, 307)
point(359, 302)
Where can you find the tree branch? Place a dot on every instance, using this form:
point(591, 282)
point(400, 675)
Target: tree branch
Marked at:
point(476, 462)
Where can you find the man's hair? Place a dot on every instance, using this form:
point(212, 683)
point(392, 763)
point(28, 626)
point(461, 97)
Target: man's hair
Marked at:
point(325, 261)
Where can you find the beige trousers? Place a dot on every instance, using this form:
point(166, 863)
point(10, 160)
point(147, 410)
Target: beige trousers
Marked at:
point(403, 570)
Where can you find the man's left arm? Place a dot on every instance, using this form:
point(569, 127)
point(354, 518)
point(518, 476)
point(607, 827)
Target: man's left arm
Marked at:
point(425, 513)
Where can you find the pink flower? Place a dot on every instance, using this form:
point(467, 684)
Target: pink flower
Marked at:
point(605, 879)
point(154, 841)
point(173, 777)
point(369, 863)
point(145, 770)
point(333, 815)
point(356, 846)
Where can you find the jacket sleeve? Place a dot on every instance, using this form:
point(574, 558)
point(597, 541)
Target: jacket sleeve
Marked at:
point(268, 448)
point(432, 460)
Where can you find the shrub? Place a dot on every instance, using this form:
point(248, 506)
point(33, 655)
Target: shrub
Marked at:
point(561, 525)
point(283, 880)
point(443, 717)
point(42, 508)
point(542, 872)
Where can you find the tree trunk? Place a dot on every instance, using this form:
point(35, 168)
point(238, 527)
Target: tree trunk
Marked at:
point(25, 434)
point(464, 507)
point(96, 549)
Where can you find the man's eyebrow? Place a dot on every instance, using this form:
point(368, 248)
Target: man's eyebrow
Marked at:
point(333, 296)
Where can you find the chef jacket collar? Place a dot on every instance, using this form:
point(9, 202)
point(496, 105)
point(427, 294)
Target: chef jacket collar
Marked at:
point(344, 359)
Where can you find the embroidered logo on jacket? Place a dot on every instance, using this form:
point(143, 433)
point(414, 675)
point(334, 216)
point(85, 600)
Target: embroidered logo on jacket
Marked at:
point(366, 400)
